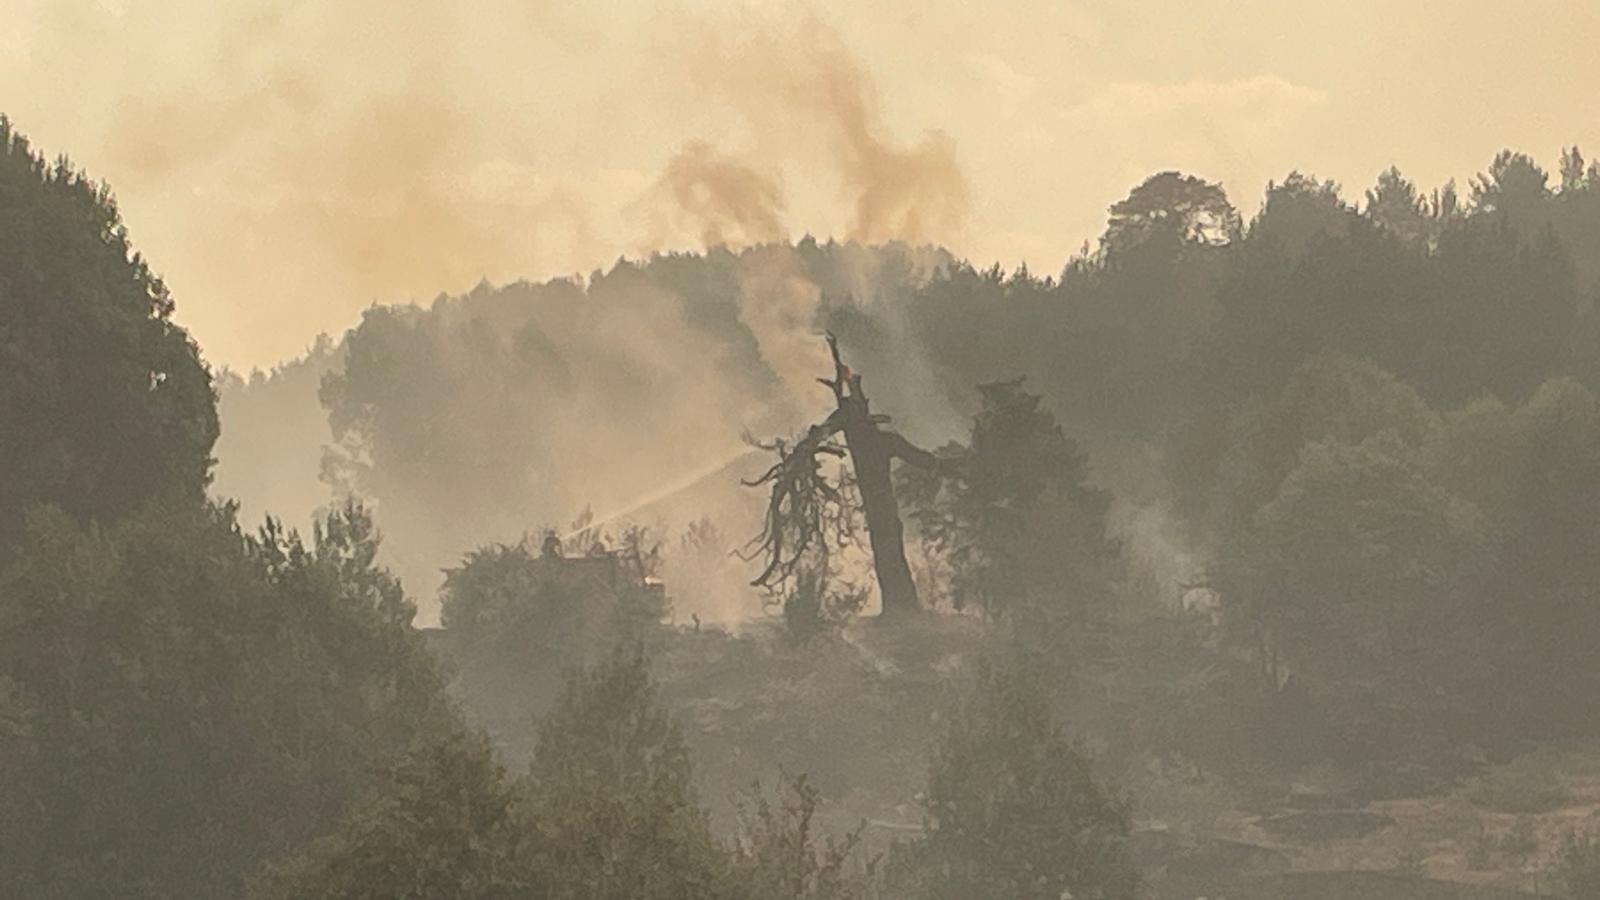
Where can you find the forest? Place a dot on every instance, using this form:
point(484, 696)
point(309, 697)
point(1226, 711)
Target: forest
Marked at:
point(1251, 554)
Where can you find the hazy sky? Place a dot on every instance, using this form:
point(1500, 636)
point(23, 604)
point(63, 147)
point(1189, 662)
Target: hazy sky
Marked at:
point(284, 164)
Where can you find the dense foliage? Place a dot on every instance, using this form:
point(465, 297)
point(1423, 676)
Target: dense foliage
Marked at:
point(1014, 808)
point(104, 401)
point(184, 700)
point(516, 620)
point(444, 822)
point(180, 699)
point(1011, 516)
point(1376, 430)
point(614, 805)
point(606, 811)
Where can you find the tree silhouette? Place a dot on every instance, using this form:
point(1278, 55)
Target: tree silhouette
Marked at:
point(1171, 210)
point(105, 404)
point(806, 510)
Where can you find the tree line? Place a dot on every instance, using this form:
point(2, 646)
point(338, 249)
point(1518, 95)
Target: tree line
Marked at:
point(1377, 418)
point(192, 708)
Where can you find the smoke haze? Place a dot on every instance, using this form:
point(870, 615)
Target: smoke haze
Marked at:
point(288, 165)
point(1222, 523)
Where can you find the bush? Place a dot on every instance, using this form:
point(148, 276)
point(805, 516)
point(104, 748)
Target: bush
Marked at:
point(778, 854)
point(187, 701)
point(815, 607)
point(444, 824)
point(1014, 809)
point(1578, 866)
point(610, 794)
point(1522, 787)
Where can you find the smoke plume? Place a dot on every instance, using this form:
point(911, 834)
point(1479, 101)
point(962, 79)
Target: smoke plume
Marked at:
point(796, 82)
point(398, 182)
point(728, 202)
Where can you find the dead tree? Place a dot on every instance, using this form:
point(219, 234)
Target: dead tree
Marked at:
point(807, 512)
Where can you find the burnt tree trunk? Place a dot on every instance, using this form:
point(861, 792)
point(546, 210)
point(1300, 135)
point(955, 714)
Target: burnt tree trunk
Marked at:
point(794, 514)
point(872, 450)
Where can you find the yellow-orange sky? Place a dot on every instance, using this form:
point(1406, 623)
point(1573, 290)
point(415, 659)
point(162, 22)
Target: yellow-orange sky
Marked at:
point(284, 164)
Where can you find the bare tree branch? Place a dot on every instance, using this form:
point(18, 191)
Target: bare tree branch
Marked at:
point(902, 449)
point(805, 506)
point(807, 512)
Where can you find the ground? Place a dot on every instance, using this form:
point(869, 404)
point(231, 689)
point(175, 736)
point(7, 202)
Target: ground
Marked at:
point(859, 712)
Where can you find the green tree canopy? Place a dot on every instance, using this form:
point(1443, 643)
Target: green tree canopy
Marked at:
point(1169, 211)
point(1012, 513)
point(1298, 210)
point(1514, 185)
point(1358, 538)
point(1014, 809)
point(610, 789)
point(104, 401)
point(1396, 205)
point(445, 822)
point(190, 700)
